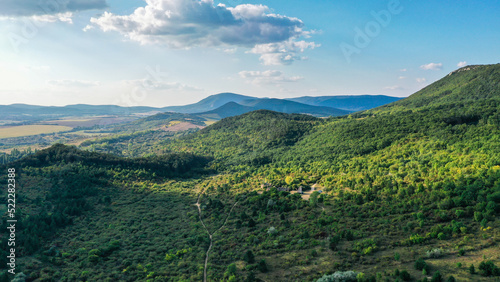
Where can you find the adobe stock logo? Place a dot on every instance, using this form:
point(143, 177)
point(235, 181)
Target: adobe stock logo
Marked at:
point(363, 37)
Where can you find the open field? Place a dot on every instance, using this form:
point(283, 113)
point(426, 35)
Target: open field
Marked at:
point(89, 122)
point(28, 130)
point(181, 126)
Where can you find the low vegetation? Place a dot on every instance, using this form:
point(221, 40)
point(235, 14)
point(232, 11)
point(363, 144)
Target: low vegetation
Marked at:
point(405, 192)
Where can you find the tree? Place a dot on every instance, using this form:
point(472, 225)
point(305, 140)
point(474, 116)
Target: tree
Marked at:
point(397, 256)
point(420, 264)
point(231, 270)
point(451, 279)
point(313, 199)
point(250, 277)
point(488, 268)
point(251, 223)
point(405, 275)
point(249, 257)
point(472, 269)
point(262, 266)
point(437, 277)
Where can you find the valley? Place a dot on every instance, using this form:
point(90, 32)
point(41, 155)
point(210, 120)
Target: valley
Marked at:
point(410, 190)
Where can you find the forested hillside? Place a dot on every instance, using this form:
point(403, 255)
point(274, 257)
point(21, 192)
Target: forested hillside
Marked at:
point(404, 192)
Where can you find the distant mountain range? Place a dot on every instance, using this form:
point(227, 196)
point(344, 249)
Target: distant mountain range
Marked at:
point(278, 105)
point(347, 103)
point(213, 107)
point(210, 103)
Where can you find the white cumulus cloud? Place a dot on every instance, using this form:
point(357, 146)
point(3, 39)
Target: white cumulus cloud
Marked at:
point(282, 53)
point(421, 79)
point(62, 17)
point(194, 23)
point(432, 66)
point(462, 64)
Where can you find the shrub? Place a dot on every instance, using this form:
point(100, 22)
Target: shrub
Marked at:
point(272, 230)
point(484, 223)
point(397, 256)
point(340, 276)
point(437, 277)
point(94, 255)
point(249, 257)
point(488, 268)
point(262, 265)
point(472, 269)
point(405, 275)
point(435, 253)
point(231, 270)
point(461, 252)
point(451, 279)
point(250, 277)
point(420, 264)
point(368, 251)
point(478, 216)
point(416, 239)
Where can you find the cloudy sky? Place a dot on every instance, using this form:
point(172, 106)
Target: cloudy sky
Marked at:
point(171, 52)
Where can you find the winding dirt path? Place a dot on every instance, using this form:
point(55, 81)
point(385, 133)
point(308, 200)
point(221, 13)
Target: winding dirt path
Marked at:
point(210, 235)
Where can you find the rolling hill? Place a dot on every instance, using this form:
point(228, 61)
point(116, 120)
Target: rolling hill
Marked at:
point(347, 103)
point(214, 107)
point(210, 103)
point(464, 86)
point(409, 192)
point(277, 105)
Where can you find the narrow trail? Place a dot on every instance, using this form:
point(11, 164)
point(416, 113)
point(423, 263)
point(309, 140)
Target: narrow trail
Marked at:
point(210, 235)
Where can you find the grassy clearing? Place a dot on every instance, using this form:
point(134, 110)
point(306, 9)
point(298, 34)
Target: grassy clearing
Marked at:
point(89, 122)
point(28, 130)
point(210, 122)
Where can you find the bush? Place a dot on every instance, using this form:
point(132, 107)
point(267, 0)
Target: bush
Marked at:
point(435, 253)
point(451, 279)
point(397, 256)
point(488, 268)
point(405, 275)
point(340, 276)
point(420, 264)
point(437, 277)
point(484, 222)
point(472, 269)
point(250, 277)
point(442, 236)
point(249, 257)
point(231, 270)
point(262, 266)
point(272, 230)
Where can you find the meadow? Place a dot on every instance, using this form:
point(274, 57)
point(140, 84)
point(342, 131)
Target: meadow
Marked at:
point(29, 130)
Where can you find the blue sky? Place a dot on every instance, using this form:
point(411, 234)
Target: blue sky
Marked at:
point(171, 52)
